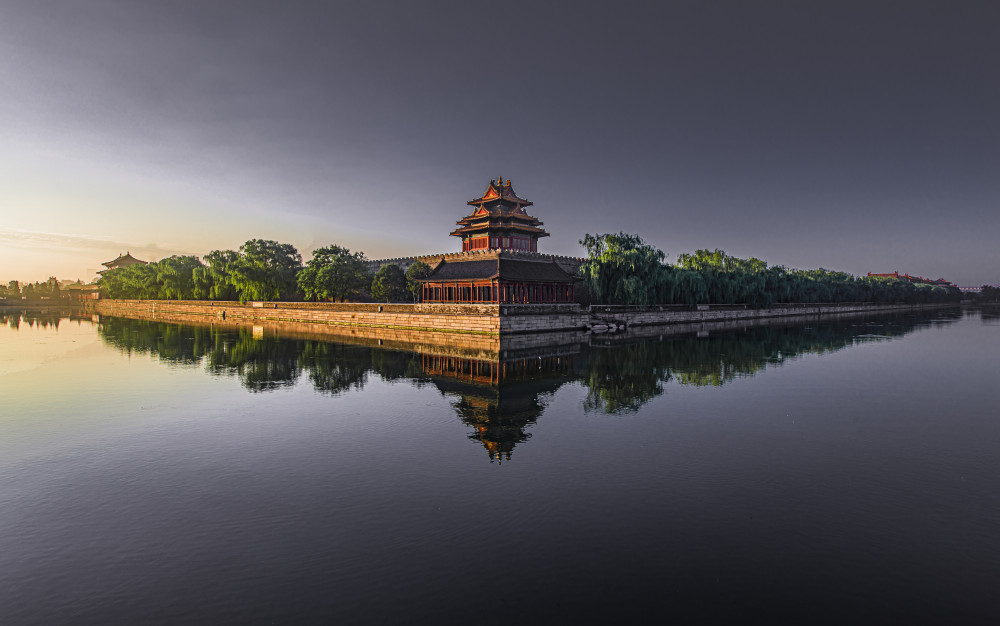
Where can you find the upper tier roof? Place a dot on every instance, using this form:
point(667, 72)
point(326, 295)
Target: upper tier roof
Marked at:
point(123, 259)
point(499, 190)
point(499, 268)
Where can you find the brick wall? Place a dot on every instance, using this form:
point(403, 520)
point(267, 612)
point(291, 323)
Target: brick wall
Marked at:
point(459, 318)
point(481, 319)
point(648, 316)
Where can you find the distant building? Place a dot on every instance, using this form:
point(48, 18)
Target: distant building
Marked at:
point(499, 261)
point(123, 260)
point(939, 282)
point(79, 291)
point(977, 288)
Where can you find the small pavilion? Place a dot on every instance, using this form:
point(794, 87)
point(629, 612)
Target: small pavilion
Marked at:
point(123, 260)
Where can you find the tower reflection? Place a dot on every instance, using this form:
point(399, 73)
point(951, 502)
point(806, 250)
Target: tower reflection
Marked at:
point(500, 399)
point(497, 387)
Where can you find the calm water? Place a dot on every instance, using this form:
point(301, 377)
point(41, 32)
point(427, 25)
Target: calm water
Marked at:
point(829, 472)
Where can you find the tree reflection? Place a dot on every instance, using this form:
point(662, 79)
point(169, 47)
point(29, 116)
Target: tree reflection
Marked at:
point(334, 368)
point(47, 318)
point(623, 375)
point(170, 343)
point(261, 363)
point(621, 379)
point(499, 399)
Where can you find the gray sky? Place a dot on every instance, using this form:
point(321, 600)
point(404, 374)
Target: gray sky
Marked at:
point(853, 136)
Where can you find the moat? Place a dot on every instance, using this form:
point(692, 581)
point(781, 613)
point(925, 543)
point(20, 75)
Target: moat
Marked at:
point(826, 469)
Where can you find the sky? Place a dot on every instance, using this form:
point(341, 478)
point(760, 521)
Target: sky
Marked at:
point(856, 136)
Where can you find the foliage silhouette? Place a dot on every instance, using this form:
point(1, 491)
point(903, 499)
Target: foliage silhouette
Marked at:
point(333, 273)
point(623, 269)
point(389, 284)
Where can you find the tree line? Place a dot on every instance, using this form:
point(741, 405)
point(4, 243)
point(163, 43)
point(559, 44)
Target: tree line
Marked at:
point(33, 292)
point(620, 269)
point(265, 270)
point(623, 269)
point(618, 379)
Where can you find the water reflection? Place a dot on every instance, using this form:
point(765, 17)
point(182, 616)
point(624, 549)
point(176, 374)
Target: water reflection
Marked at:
point(500, 399)
point(40, 318)
point(497, 394)
point(989, 314)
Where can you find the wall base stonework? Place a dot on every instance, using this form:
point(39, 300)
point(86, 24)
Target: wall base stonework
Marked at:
point(474, 319)
point(463, 318)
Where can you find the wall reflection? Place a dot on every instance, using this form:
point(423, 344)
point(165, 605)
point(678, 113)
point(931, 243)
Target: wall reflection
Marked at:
point(498, 388)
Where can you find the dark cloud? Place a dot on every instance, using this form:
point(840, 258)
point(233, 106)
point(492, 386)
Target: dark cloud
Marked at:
point(854, 135)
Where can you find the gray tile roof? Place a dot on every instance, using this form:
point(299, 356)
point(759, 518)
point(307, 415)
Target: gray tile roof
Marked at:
point(505, 269)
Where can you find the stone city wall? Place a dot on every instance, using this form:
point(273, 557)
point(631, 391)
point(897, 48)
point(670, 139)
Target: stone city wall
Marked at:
point(484, 319)
point(652, 316)
point(460, 345)
point(455, 318)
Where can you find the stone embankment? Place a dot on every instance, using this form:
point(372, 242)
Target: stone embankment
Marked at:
point(476, 319)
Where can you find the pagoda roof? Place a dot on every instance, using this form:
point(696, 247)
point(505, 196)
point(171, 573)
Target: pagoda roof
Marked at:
point(492, 227)
point(500, 268)
point(499, 190)
point(123, 259)
point(487, 216)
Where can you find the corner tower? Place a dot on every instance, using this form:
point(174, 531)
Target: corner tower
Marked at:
point(499, 222)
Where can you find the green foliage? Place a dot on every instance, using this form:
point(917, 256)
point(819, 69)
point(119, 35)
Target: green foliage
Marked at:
point(214, 281)
point(261, 270)
point(265, 270)
point(333, 273)
point(389, 284)
point(622, 269)
point(418, 270)
point(171, 278)
point(175, 276)
point(132, 281)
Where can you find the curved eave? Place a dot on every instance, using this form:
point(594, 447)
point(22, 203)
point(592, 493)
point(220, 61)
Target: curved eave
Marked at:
point(501, 225)
point(520, 201)
point(495, 219)
point(538, 232)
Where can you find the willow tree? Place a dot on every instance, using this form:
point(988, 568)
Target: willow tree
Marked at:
point(623, 269)
point(214, 281)
point(175, 277)
point(265, 270)
point(131, 282)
